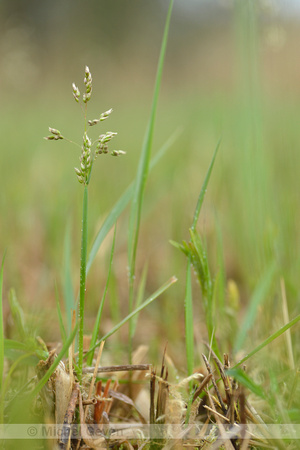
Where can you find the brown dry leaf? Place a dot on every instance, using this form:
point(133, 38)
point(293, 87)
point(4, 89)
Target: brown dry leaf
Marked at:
point(63, 390)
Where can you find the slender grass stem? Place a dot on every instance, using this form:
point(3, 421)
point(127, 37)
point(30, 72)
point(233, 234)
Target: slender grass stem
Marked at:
point(82, 276)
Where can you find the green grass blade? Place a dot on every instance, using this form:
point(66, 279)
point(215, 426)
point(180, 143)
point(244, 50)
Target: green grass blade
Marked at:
point(60, 318)
point(246, 381)
point(109, 222)
point(141, 178)
point(143, 166)
point(51, 369)
point(269, 340)
point(100, 309)
point(123, 201)
point(189, 320)
point(17, 313)
point(147, 302)
point(1, 326)
point(258, 297)
point(204, 187)
point(69, 298)
point(13, 348)
point(139, 297)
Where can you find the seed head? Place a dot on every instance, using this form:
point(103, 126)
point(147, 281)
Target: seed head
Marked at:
point(93, 122)
point(76, 92)
point(85, 160)
point(106, 114)
point(55, 136)
point(117, 153)
point(88, 85)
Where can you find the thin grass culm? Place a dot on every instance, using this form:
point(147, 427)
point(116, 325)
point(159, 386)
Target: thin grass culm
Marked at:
point(83, 173)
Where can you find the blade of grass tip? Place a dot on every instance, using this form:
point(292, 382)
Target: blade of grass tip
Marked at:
point(147, 302)
point(269, 340)
point(258, 297)
point(52, 368)
point(123, 201)
point(204, 187)
point(69, 297)
point(100, 309)
point(246, 381)
point(189, 325)
point(143, 166)
point(60, 318)
point(1, 336)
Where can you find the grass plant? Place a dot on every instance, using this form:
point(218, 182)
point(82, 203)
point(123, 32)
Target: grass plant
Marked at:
point(215, 390)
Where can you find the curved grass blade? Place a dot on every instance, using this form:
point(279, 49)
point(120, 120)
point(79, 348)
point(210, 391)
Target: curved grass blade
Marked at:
point(147, 302)
point(121, 204)
point(13, 348)
point(204, 187)
point(259, 295)
point(100, 309)
point(269, 340)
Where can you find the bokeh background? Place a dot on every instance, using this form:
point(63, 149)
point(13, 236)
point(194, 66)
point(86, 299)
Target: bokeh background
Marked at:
point(232, 72)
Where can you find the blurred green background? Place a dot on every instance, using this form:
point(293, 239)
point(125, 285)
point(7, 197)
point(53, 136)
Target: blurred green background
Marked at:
point(232, 72)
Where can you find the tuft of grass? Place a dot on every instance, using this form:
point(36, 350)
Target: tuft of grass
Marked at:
point(196, 256)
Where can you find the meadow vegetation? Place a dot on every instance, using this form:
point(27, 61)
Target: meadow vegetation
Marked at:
point(207, 194)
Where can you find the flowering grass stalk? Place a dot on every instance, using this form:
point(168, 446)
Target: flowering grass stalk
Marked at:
point(83, 173)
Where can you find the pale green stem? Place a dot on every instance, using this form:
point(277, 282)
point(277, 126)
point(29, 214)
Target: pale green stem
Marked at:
point(82, 277)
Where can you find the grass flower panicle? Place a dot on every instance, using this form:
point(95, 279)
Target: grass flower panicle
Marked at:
point(88, 156)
